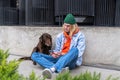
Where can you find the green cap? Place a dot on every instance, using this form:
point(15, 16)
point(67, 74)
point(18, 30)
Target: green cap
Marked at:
point(69, 19)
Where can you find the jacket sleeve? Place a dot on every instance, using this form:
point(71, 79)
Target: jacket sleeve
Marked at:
point(81, 48)
point(81, 44)
point(58, 43)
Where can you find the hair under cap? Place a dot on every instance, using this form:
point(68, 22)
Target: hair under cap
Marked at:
point(69, 19)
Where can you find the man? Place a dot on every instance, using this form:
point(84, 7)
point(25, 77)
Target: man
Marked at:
point(70, 46)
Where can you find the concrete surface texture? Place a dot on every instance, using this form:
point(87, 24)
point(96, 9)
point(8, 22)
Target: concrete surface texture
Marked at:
point(102, 52)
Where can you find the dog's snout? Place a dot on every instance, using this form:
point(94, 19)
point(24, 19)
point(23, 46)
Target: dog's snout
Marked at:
point(48, 42)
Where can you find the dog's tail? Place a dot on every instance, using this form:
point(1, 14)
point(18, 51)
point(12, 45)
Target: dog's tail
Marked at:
point(25, 58)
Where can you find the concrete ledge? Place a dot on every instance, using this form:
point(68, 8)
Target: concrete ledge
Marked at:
point(21, 40)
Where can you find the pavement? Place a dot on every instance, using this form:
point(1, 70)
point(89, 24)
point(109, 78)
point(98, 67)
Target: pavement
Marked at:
point(26, 67)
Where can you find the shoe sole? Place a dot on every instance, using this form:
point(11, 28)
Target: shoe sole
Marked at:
point(47, 74)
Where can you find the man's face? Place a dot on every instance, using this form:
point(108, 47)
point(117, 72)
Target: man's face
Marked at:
point(66, 27)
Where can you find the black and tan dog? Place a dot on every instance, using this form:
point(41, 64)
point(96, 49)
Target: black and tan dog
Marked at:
point(43, 46)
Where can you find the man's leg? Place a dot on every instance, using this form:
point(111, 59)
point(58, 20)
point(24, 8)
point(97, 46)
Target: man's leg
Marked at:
point(72, 64)
point(67, 59)
point(45, 61)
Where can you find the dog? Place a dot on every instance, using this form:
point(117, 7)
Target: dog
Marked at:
point(43, 46)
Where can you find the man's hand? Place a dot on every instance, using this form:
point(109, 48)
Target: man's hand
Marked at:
point(56, 54)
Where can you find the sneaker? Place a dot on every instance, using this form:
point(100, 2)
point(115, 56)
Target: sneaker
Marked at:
point(47, 73)
point(64, 70)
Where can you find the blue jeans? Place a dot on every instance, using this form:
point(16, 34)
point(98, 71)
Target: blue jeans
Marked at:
point(47, 61)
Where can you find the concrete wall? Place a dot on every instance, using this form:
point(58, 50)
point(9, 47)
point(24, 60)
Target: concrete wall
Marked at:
point(102, 43)
point(21, 40)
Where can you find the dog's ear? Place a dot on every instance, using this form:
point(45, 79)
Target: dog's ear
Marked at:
point(41, 39)
point(39, 47)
